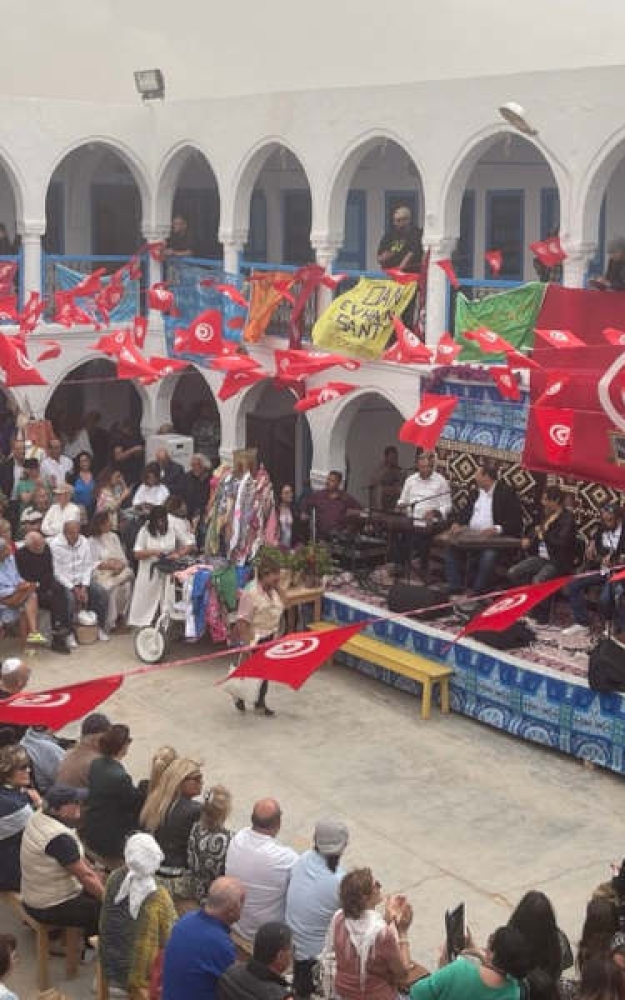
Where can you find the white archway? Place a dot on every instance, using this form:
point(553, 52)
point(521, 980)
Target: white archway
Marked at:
point(594, 185)
point(361, 425)
point(247, 177)
point(107, 395)
point(455, 181)
point(330, 223)
point(96, 196)
point(187, 170)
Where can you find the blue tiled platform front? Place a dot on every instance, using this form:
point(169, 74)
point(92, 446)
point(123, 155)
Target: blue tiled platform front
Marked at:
point(524, 699)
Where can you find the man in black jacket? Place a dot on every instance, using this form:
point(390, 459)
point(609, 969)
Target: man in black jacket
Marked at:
point(262, 978)
point(34, 562)
point(550, 548)
point(605, 550)
point(494, 510)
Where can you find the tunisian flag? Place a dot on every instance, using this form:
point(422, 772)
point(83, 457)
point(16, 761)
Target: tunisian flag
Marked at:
point(293, 658)
point(204, 335)
point(426, 426)
point(512, 605)
point(556, 429)
point(56, 707)
point(595, 389)
point(324, 394)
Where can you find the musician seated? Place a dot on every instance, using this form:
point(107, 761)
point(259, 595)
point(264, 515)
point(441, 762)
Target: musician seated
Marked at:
point(329, 507)
point(605, 549)
point(386, 482)
point(493, 510)
point(550, 548)
point(426, 499)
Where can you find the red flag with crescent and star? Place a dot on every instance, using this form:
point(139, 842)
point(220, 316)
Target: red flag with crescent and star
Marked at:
point(592, 378)
point(293, 658)
point(55, 707)
point(425, 428)
point(511, 606)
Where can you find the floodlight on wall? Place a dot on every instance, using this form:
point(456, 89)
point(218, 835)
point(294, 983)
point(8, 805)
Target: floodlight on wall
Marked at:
point(150, 84)
point(514, 114)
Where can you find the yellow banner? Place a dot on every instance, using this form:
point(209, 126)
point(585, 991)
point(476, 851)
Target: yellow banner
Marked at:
point(359, 323)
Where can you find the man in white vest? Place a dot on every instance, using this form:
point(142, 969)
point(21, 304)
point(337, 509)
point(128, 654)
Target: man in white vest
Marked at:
point(58, 885)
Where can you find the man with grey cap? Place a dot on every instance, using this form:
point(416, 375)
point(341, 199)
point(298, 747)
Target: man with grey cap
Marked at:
point(312, 899)
point(59, 886)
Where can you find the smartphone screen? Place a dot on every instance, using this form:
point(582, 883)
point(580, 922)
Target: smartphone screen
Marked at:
point(454, 931)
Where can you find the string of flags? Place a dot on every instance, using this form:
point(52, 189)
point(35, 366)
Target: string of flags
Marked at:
point(290, 660)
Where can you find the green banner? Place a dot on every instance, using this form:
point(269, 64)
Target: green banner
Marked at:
point(511, 314)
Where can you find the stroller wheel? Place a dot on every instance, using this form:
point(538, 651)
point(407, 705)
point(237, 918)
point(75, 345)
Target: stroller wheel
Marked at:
point(150, 644)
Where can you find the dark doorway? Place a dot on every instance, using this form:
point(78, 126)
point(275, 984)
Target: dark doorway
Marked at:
point(116, 219)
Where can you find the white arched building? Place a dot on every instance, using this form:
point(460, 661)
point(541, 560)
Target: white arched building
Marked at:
point(289, 143)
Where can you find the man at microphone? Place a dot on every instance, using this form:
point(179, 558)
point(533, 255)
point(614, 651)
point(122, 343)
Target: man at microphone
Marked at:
point(426, 498)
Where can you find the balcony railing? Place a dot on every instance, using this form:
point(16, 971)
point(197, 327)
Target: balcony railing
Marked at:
point(56, 276)
point(280, 322)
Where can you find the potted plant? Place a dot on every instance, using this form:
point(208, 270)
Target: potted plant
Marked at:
point(311, 563)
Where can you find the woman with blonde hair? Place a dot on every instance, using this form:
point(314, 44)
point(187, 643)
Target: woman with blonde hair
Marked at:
point(208, 842)
point(169, 812)
point(161, 760)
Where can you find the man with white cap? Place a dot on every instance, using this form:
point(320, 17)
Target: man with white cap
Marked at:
point(61, 511)
point(312, 899)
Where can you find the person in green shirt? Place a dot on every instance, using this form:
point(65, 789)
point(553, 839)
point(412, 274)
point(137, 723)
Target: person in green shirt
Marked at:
point(27, 485)
point(493, 975)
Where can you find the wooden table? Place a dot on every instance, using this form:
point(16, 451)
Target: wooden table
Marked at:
point(296, 597)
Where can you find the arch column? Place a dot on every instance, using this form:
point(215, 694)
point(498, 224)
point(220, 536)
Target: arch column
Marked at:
point(326, 248)
point(31, 233)
point(575, 266)
point(440, 247)
point(233, 242)
point(155, 234)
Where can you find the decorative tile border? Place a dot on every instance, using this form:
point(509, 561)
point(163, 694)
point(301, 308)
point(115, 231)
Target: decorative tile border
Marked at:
point(539, 705)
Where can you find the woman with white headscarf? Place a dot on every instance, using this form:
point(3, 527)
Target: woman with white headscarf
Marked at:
point(136, 918)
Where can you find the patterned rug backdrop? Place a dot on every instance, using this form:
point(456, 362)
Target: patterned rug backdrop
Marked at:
point(485, 426)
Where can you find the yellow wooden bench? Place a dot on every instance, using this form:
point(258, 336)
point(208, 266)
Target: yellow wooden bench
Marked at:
point(398, 661)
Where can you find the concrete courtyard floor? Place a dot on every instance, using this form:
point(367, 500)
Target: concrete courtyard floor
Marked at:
point(444, 810)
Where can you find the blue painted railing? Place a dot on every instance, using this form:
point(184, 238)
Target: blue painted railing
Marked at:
point(280, 323)
point(85, 264)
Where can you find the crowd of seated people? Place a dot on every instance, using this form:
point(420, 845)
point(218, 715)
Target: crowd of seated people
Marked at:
point(177, 896)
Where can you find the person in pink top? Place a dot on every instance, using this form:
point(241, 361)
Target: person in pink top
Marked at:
point(371, 949)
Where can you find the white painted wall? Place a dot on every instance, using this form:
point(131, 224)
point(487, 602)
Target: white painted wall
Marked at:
point(375, 425)
point(249, 48)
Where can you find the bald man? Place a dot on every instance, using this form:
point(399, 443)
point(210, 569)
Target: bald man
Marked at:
point(14, 676)
point(200, 947)
point(264, 867)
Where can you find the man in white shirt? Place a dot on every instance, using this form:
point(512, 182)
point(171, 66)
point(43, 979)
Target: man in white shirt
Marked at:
point(263, 866)
point(426, 498)
point(495, 510)
point(55, 467)
point(62, 510)
point(73, 570)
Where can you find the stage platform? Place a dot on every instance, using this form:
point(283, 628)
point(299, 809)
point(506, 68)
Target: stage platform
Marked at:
point(543, 698)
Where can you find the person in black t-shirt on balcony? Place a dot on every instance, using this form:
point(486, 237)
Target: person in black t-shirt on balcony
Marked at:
point(401, 246)
point(179, 243)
